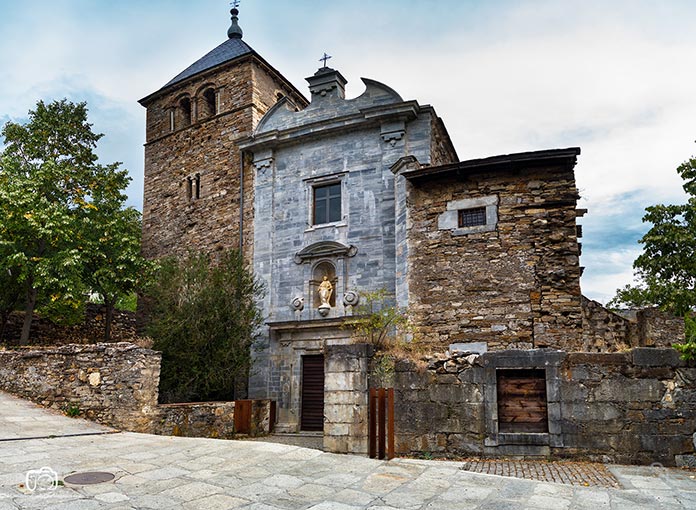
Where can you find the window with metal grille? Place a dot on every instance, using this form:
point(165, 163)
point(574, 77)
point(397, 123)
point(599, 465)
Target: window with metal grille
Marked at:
point(472, 217)
point(327, 204)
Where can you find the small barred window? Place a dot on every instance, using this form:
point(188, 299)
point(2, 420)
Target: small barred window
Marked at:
point(472, 217)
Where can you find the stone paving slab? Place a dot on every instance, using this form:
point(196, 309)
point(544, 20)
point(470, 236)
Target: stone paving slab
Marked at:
point(21, 419)
point(582, 474)
point(192, 473)
point(254, 475)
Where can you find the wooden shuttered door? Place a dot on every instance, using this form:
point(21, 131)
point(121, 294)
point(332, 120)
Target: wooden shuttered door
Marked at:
point(312, 393)
point(522, 401)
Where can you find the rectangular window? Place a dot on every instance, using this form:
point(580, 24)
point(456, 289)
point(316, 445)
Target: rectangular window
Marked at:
point(522, 405)
point(472, 217)
point(327, 204)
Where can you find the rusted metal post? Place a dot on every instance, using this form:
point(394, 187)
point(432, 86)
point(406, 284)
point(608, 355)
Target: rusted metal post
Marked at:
point(382, 423)
point(390, 412)
point(373, 423)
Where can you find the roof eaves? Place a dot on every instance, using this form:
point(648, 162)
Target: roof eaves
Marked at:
point(568, 155)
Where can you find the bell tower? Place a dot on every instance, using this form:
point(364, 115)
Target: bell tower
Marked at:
point(198, 191)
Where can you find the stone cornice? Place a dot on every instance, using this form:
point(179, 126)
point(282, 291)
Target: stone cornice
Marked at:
point(373, 116)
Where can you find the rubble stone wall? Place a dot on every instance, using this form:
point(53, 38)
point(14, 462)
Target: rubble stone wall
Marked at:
point(173, 222)
point(89, 331)
point(635, 407)
point(515, 285)
point(209, 419)
point(115, 384)
point(606, 331)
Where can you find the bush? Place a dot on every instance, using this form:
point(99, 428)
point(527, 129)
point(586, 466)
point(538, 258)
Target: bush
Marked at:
point(204, 319)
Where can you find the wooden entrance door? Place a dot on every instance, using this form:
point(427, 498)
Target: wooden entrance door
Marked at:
point(522, 403)
point(312, 417)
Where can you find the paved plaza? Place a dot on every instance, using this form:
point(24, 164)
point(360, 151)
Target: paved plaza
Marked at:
point(172, 472)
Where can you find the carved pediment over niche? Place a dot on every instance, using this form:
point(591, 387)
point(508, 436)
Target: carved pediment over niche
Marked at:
point(325, 249)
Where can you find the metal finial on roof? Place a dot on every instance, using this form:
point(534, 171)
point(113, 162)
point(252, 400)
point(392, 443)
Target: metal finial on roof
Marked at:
point(325, 58)
point(235, 31)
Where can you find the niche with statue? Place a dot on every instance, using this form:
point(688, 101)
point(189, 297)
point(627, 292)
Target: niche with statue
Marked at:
point(323, 287)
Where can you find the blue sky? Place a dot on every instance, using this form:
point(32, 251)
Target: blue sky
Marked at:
point(615, 78)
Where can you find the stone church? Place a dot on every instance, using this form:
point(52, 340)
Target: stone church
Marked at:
point(329, 198)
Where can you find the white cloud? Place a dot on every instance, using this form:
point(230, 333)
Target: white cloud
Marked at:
point(611, 77)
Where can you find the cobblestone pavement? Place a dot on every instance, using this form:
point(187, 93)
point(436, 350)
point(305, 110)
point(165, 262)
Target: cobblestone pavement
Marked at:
point(189, 473)
point(582, 474)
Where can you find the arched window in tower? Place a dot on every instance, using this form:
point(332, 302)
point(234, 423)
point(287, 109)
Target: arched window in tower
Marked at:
point(208, 103)
point(185, 111)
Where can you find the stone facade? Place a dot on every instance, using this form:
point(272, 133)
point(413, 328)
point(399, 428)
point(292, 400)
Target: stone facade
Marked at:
point(351, 144)
point(209, 419)
point(114, 384)
point(632, 407)
point(513, 282)
point(357, 195)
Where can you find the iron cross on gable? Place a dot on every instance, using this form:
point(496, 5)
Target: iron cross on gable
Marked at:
point(325, 58)
point(235, 4)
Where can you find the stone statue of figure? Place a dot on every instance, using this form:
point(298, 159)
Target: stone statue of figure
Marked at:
point(325, 291)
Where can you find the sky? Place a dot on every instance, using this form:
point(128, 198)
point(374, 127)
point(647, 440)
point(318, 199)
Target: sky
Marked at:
point(615, 78)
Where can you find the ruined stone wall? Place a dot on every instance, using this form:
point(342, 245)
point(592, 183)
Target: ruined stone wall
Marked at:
point(603, 330)
point(659, 329)
point(606, 331)
point(633, 407)
point(516, 285)
point(441, 151)
point(114, 384)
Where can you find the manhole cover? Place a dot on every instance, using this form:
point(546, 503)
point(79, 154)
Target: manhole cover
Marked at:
point(90, 478)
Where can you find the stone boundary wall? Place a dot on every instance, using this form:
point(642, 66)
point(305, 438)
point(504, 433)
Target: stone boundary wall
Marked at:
point(115, 384)
point(88, 331)
point(209, 419)
point(635, 407)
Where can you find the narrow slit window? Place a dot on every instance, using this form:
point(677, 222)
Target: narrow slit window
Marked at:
point(327, 204)
point(472, 217)
point(185, 111)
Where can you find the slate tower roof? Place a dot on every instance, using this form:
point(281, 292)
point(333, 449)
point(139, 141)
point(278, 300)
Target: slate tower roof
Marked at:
point(229, 50)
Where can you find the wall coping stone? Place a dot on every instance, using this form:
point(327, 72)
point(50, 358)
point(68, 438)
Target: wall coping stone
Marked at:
point(651, 357)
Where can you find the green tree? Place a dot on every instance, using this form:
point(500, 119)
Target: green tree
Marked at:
point(666, 270)
point(110, 236)
point(51, 188)
point(203, 317)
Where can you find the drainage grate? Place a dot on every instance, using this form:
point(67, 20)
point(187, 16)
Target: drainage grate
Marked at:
point(89, 478)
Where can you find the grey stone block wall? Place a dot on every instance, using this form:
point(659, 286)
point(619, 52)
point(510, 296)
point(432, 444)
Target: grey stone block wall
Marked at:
point(346, 399)
point(637, 407)
point(352, 142)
